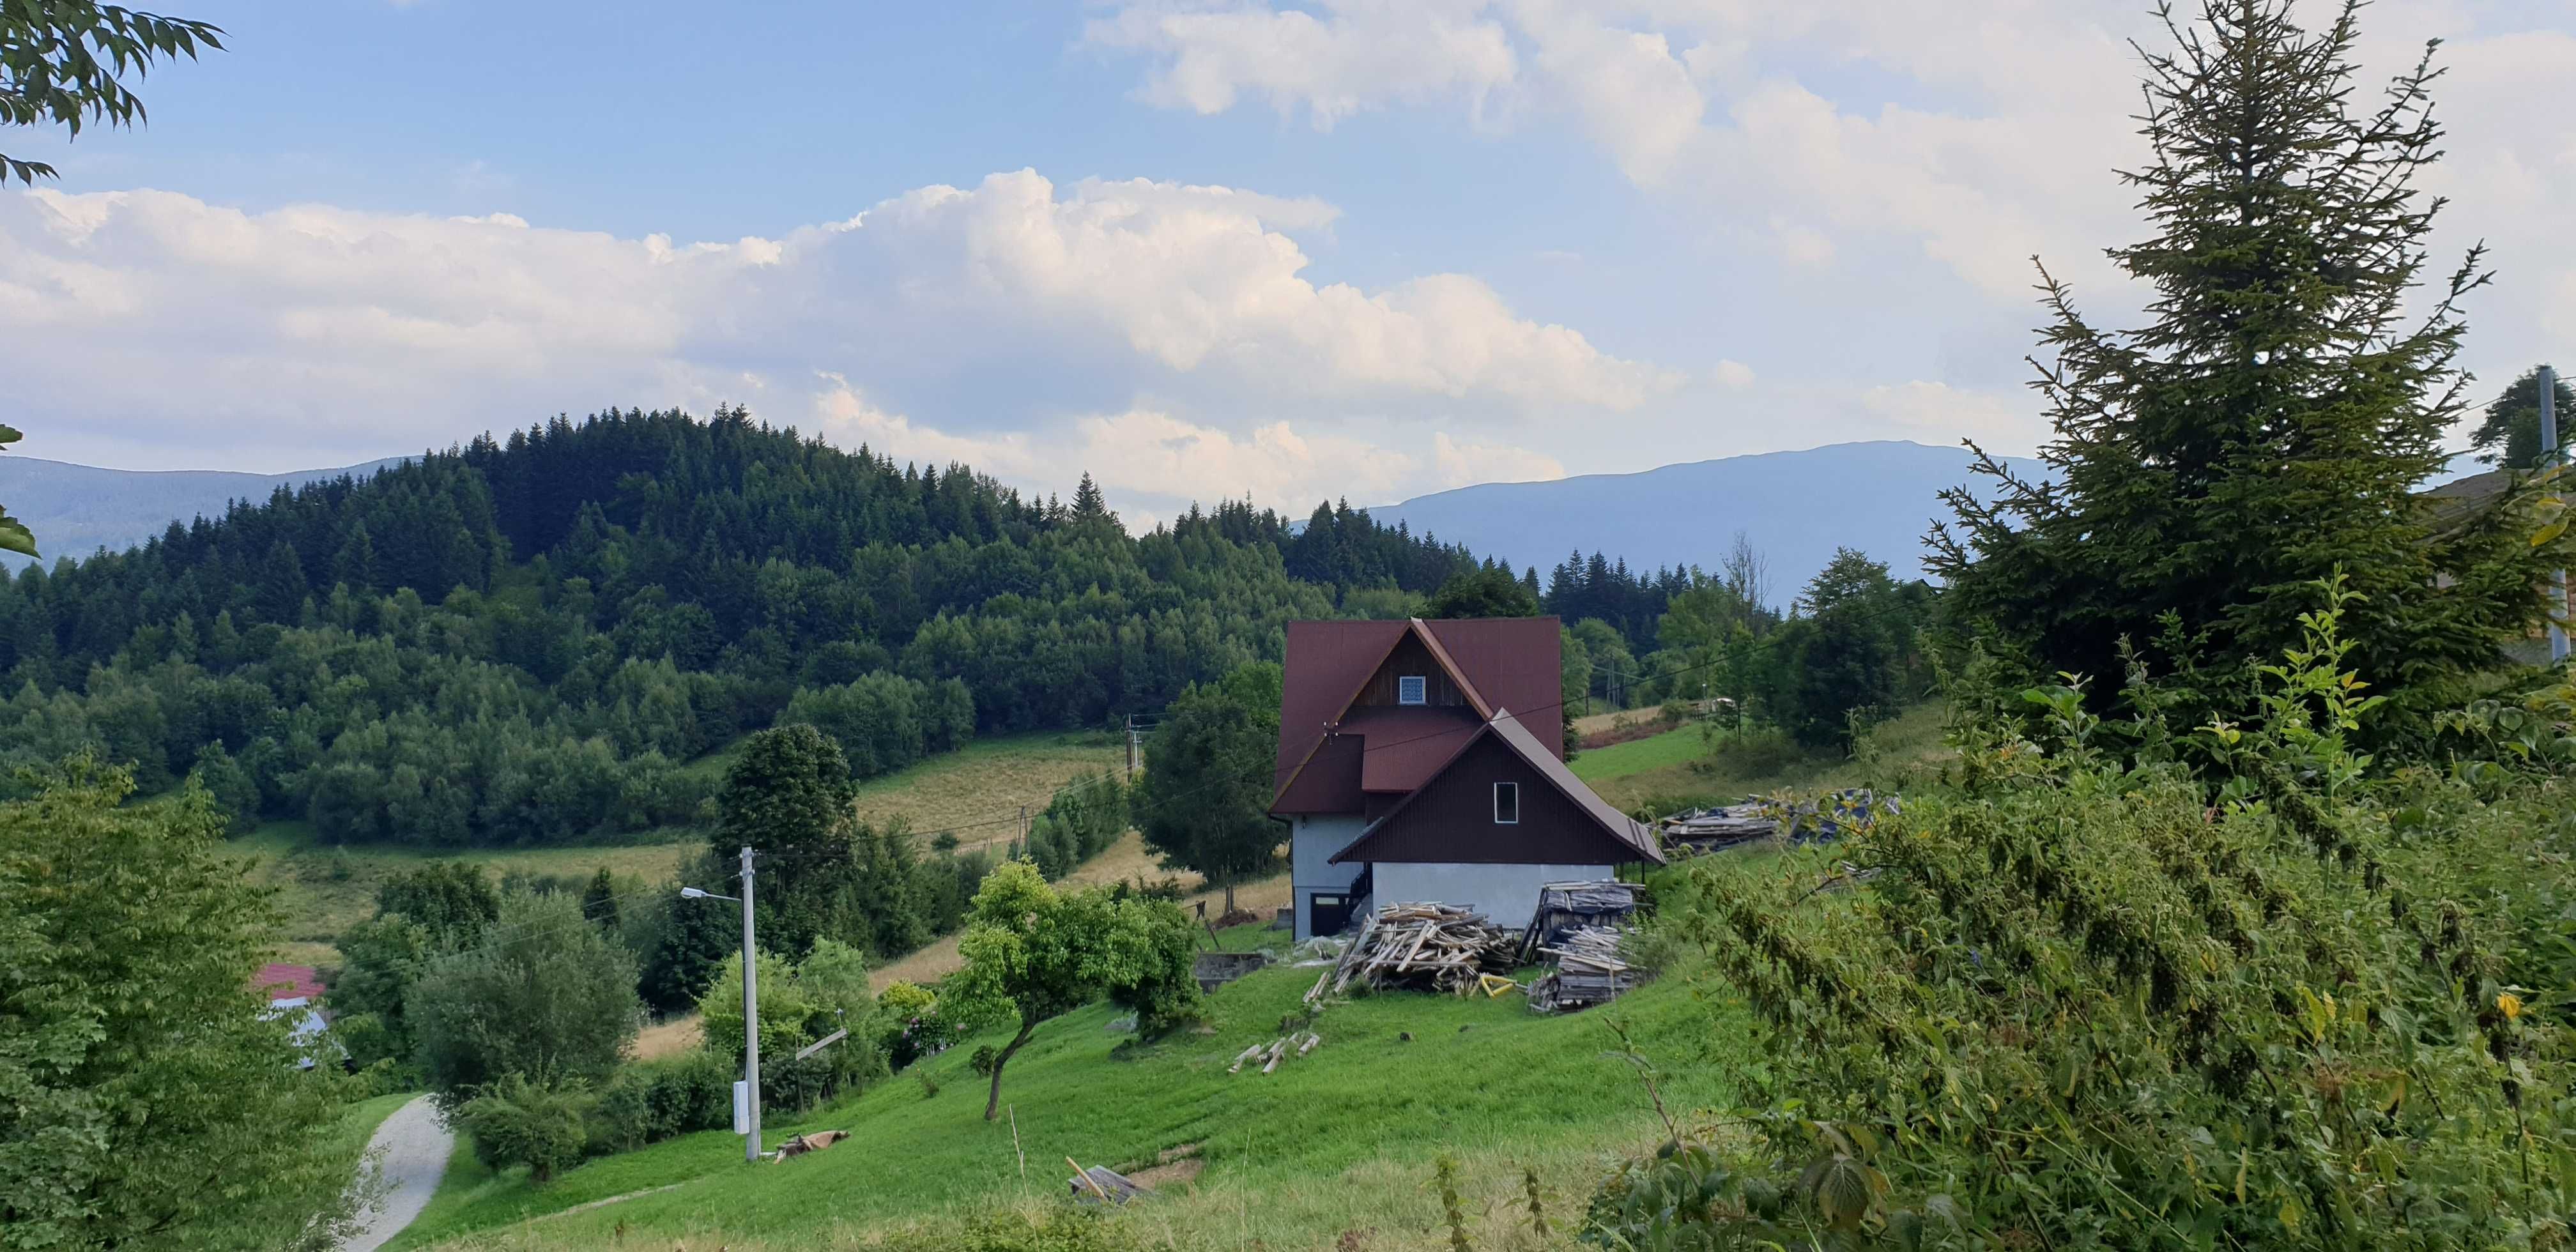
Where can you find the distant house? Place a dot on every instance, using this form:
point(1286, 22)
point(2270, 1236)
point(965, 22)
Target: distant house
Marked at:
point(295, 992)
point(1423, 760)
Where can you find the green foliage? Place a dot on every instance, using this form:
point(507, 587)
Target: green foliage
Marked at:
point(1032, 953)
point(1057, 1231)
point(800, 1003)
point(1491, 591)
point(2509, 432)
point(1205, 797)
point(14, 535)
point(131, 1044)
point(2276, 417)
point(515, 1121)
point(2079, 1006)
point(64, 63)
point(1080, 821)
point(235, 793)
point(650, 1101)
point(1852, 656)
point(515, 643)
point(543, 994)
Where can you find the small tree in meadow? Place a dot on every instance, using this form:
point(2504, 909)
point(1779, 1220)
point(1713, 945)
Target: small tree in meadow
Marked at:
point(1033, 953)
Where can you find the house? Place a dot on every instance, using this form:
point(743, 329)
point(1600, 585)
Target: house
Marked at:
point(295, 991)
point(1423, 760)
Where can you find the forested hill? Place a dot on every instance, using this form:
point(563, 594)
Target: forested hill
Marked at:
point(525, 639)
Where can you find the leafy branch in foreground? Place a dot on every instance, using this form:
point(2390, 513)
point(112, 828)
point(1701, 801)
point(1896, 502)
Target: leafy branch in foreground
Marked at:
point(63, 62)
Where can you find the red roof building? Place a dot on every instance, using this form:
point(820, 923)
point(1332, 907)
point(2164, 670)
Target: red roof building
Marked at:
point(1422, 760)
point(288, 982)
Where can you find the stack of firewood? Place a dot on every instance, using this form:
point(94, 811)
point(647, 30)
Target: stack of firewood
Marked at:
point(1589, 970)
point(1429, 947)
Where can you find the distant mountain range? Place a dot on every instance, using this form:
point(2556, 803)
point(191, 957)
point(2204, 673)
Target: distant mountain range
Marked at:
point(75, 510)
point(1796, 507)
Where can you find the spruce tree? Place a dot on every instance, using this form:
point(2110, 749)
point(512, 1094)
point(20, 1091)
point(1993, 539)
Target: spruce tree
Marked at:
point(2274, 419)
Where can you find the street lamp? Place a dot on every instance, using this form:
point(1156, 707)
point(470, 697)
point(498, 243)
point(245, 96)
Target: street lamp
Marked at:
point(750, 1008)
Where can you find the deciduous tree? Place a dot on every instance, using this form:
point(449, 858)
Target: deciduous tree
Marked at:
point(1204, 800)
point(133, 1049)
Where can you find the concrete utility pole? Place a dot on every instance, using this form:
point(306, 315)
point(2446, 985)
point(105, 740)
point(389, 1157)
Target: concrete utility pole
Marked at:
point(2549, 457)
point(746, 1092)
point(750, 1014)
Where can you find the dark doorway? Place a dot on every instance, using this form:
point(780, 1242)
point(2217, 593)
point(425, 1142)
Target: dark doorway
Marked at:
point(1327, 914)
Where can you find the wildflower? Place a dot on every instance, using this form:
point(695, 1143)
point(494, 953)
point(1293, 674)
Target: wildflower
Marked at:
point(2510, 1005)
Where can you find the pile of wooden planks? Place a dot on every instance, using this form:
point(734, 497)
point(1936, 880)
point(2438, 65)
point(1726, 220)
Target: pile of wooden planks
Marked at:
point(1566, 906)
point(1707, 830)
point(1421, 946)
point(1292, 1044)
point(1589, 971)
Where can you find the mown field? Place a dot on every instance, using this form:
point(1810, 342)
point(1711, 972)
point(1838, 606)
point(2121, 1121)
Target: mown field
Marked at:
point(1342, 1140)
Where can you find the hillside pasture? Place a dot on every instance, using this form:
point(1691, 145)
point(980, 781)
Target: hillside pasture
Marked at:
point(1340, 1140)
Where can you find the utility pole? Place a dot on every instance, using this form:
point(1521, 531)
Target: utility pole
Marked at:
point(746, 1092)
point(2549, 457)
point(750, 1014)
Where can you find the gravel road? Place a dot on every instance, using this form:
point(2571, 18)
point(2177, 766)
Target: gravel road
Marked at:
point(415, 1149)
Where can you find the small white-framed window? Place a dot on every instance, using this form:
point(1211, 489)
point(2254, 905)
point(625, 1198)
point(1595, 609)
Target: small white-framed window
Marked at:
point(1410, 689)
point(1507, 804)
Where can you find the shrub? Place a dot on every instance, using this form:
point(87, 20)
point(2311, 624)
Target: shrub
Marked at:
point(2078, 1005)
point(518, 1122)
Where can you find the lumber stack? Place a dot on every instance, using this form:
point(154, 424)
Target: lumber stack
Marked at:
point(1567, 906)
point(1589, 970)
point(1423, 947)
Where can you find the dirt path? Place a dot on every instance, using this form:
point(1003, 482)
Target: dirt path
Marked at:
point(414, 1148)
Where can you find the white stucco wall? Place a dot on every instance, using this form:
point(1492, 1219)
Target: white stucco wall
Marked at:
point(1311, 843)
point(1506, 894)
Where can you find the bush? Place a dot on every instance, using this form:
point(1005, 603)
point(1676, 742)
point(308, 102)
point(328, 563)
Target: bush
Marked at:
point(651, 1101)
point(518, 1122)
point(2080, 1005)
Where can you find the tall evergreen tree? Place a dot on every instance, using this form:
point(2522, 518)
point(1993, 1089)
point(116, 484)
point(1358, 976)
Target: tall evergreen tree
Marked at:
point(2274, 419)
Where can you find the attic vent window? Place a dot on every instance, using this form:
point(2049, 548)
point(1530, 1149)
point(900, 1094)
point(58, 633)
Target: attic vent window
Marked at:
point(1507, 804)
point(1409, 689)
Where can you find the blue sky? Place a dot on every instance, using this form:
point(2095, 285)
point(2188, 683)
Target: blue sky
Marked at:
point(1353, 248)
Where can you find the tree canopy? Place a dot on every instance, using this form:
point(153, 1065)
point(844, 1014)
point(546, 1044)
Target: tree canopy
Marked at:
point(2274, 419)
point(133, 1043)
point(2508, 432)
point(1204, 801)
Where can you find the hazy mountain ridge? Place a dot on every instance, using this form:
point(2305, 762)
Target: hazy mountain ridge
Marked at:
point(1797, 507)
point(75, 510)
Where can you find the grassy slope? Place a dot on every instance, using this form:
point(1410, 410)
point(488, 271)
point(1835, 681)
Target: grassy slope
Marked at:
point(986, 781)
point(1671, 765)
point(1342, 1139)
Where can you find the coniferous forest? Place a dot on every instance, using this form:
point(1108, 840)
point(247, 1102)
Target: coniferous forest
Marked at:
point(526, 639)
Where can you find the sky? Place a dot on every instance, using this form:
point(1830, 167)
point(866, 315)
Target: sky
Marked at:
point(1363, 249)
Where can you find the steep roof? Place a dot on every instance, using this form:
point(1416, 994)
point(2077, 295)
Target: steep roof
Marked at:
point(288, 982)
point(1390, 839)
point(1496, 662)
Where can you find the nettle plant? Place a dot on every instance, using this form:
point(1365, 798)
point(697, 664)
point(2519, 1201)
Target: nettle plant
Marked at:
point(2090, 999)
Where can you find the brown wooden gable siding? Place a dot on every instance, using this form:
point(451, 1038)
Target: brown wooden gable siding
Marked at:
point(1451, 819)
point(1411, 660)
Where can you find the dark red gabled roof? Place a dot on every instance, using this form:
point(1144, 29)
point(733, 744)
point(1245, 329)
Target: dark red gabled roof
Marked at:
point(1498, 663)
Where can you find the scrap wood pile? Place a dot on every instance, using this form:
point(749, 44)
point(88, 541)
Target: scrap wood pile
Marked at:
point(1422, 947)
point(1589, 970)
point(1292, 1044)
point(1564, 907)
point(1799, 819)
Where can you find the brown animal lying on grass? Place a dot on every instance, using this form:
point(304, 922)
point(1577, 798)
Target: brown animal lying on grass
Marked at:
point(802, 1144)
